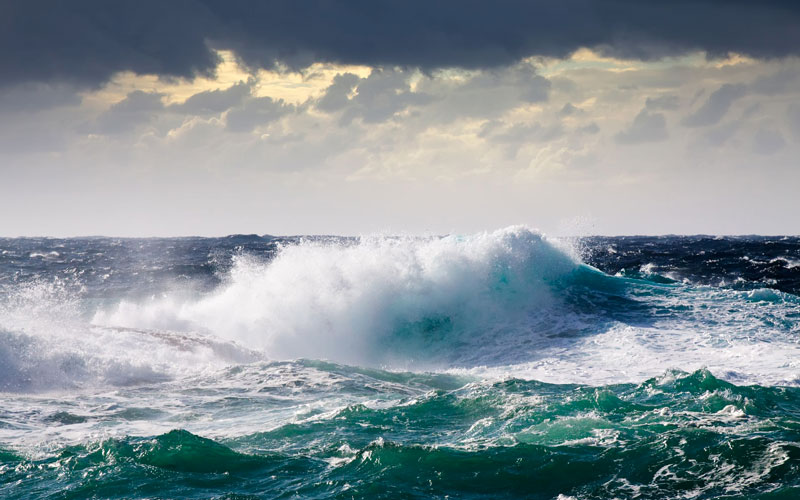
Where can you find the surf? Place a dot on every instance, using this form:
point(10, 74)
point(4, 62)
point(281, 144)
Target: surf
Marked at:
point(366, 301)
point(511, 302)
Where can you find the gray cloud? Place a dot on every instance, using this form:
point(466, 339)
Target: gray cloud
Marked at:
point(719, 136)
point(664, 102)
point(136, 109)
point(768, 141)
point(84, 42)
point(31, 137)
point(569, 109)
point(589, 129)
point(255, 112)
point(535, 88)
point(337, 95)
point(33, 97)
point(214, 101)
point(378, 97)
point(486, 95)
point(717, 105)
point(751, 110)
point(646, 127)
point(776, 83)
point(516, 135)
point(793, 114)
point(520, 132)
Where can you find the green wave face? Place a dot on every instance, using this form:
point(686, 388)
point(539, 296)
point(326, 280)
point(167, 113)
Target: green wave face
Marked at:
point(676, 436)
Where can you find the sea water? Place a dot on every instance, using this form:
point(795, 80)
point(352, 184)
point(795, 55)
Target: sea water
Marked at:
point(503, 364)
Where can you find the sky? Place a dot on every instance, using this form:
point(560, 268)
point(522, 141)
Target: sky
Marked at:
point(204, 117)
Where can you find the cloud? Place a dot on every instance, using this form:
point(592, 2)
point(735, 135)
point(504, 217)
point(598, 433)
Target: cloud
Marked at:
point(84, 42)
point(519, 133)
point(646, 127)
point(569, 109)
point(337, 95)
point(664, 102)
point(589, 129)
point(514, 136)
point(719, 136)
point(255, 112)
point(776, 83)
point(33, 97)
point(768, 141)
point(484, 94)
point(31, 137)
point(136, 109)
point(377, 98)
point(214, 101)
point(477, 34)
point(793, 114)
point(717, 105)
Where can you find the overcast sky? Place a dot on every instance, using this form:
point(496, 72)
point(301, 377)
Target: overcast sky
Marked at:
point(209, 118)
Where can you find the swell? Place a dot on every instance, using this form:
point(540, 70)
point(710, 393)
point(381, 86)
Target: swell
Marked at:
point(675, 436)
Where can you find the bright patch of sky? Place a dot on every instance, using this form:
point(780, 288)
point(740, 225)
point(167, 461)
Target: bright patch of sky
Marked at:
point(677, 145)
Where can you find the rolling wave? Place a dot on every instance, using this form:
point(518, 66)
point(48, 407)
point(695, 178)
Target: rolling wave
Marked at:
point(506, 303)
point(380, 301)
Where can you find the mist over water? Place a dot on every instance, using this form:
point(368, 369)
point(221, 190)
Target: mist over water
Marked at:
point(367, 366)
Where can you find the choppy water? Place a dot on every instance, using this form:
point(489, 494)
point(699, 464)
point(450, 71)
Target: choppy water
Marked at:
point(495, 365)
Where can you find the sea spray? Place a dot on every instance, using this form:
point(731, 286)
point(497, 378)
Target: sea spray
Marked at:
point(362, 301)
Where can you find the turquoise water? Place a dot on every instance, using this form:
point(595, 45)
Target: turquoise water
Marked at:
point(411, 436)
point(498, 365)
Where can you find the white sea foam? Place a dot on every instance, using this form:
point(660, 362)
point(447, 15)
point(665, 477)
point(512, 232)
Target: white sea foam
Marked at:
point(47, 343)
point(52, 255)
point(347, 302)
point(789, 263)
point(491, 305)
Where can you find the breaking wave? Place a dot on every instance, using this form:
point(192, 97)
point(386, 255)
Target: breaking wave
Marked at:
point(378, 300)
point(505, 303)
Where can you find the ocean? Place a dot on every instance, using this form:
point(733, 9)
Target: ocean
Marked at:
point(503, 364)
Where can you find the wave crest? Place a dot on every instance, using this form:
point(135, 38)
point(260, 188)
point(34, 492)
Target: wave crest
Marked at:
point(376, 300)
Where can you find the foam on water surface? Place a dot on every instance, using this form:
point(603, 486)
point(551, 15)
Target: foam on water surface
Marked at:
point(510, 303)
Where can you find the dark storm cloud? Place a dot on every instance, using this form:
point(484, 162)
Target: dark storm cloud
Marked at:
point(84, 42)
